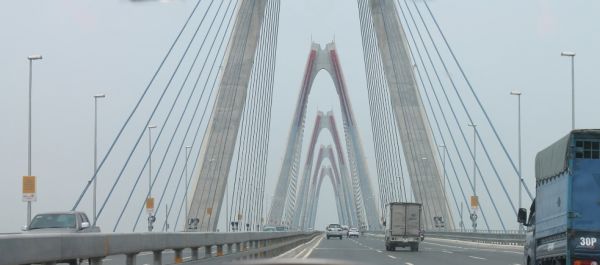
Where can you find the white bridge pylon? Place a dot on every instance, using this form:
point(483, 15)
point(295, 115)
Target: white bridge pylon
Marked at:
point(286, 195)
point(415, 133)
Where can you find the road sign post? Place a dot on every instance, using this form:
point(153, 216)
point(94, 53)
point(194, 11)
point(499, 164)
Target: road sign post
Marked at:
point(150, 211)
point(474, 207)
point(29, 194)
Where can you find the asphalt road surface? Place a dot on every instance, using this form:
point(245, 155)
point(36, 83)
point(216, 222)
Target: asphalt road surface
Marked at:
point(371, 250)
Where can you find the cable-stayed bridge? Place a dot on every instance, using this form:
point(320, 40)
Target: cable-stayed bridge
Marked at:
point(206, 112)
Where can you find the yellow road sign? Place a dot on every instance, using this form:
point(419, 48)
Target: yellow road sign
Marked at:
point(474, 202)
point(150, 205)
point(29, 194)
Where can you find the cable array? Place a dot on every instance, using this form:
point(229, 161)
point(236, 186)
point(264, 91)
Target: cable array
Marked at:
point(246, 210)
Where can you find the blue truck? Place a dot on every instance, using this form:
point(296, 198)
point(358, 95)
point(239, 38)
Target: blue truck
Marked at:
point(563, 226)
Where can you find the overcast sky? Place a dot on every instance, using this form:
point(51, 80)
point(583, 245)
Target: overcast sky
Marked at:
point(114, 46)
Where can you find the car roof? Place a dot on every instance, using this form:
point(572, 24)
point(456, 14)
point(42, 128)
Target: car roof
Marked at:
point(62, 212)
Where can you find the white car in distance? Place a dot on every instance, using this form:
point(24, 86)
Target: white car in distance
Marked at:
point(334, 230)
point(353, 232)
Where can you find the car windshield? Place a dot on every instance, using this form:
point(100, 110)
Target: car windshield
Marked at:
point(41, 221)
point(334, 226)
point(354, 229)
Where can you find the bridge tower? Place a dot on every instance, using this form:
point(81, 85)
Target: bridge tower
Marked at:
point(284, 198)
point(418, 146)
point(222, 131)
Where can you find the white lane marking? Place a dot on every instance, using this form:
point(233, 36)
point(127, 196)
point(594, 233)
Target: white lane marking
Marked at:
point(294, 249)
point(474, 257)
point(408, 263)
point(446, 251)
point(391, 256)
point(312, 248)
point(378, 251)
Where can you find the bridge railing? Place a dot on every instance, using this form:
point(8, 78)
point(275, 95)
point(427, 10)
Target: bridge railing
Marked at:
point(501, 237)
point(50, 248)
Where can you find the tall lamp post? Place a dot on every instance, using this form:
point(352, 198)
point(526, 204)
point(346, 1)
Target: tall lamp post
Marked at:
point(518, 94)
point(151, 217)
point(572, 55)
point(187, 185)
point(444, 148)
point(475, 201)
point(31, 58)
point(96, 97)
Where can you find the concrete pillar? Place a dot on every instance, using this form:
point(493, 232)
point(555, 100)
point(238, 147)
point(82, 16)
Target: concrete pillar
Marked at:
point(157, 257)
point(230, 248)
point(207, 251)
point(178, 256)
point(219, 250)
point(238, 247)
point(131, 258)
point(195, 253)
point(96, 261)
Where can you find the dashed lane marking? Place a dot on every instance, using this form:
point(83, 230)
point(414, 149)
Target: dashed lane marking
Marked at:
point(391, 256)
point(446, 251)
point(379, 251)
point(408, 263)
point(474, 257)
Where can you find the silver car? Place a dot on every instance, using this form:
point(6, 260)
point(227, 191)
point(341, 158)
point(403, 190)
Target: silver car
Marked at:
point(334, 230)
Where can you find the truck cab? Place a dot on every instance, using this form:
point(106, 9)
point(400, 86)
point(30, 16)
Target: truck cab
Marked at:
point(563, 226)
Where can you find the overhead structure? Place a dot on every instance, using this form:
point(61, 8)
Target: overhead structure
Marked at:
point(351, 198)
point(341, 193)
point(284, 200)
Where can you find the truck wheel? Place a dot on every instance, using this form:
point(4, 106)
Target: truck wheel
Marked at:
point(327, 237)
point(340, 238)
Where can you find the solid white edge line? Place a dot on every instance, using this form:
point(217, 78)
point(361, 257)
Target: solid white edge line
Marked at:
point(293, 249)
point(313, 248)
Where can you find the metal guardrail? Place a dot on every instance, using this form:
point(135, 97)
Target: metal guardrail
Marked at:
point(49, 248)
point(501, 237)
point(482, 237)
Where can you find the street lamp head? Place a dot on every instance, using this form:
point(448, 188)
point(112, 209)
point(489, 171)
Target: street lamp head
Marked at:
point(567, 54)
point(515, 93)
point(100, 96)
point(188, 147)
point(472, 125)
point(34, 57)
point(151, 126)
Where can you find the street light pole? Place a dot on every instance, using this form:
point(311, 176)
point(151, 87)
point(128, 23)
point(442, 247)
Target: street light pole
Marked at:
point(474, 214)
point(96, 97)
point(444, 172)
point(572, 55)
point(518, 94)
point(150, 216)
point(187, 185)
point(31, 59)
point(474, 158)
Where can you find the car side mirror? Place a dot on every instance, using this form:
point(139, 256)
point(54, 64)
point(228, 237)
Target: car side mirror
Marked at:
point(24, 228)
point(522, 216)
point(85, 225)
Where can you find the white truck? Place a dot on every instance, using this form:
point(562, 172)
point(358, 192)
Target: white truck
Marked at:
point(402, 225)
